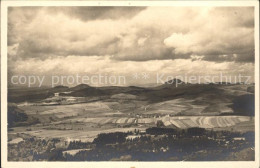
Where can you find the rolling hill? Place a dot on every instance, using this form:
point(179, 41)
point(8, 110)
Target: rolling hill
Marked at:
point(207, 99)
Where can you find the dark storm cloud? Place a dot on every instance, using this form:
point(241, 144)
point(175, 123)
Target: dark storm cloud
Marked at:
point(25, 15)
point(93, 13)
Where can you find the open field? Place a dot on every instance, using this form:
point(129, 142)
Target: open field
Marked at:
point(86, 129)
point(180, 122)
point(206, 121)
point(71, 135)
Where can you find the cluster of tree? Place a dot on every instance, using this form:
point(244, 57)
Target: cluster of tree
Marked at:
point(160, 131)
point(110, 138)
point(79, 145)
point(17, 117)
point(156, 145)
point(244, 105)
point(196, 131)
point(164, 147)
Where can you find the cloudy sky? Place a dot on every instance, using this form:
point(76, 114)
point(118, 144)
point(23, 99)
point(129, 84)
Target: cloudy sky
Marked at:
point(127, 40)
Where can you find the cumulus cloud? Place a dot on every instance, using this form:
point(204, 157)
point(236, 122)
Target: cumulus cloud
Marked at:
point(226, 35)
point(133, 33)
point(125, 40)
point(93, 65)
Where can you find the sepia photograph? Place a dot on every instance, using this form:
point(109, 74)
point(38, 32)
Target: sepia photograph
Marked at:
point(130, 83)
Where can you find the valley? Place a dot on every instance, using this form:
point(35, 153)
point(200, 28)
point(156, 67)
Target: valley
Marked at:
point(69, 116)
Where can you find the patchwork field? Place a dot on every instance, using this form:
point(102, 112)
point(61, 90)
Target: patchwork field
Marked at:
point(72, 135)
point(186, 107)
point(86, 129)
point(180, 122)
point(205, 121)
point(83, 118)
point(60, 112)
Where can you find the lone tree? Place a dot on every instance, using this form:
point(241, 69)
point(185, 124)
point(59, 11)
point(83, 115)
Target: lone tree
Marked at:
point(160, 123)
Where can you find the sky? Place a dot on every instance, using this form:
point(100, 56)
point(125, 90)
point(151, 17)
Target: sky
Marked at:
point(126, 41)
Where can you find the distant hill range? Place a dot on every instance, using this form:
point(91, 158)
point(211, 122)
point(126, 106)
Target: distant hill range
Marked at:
point(240, 97)
point(79, 87)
